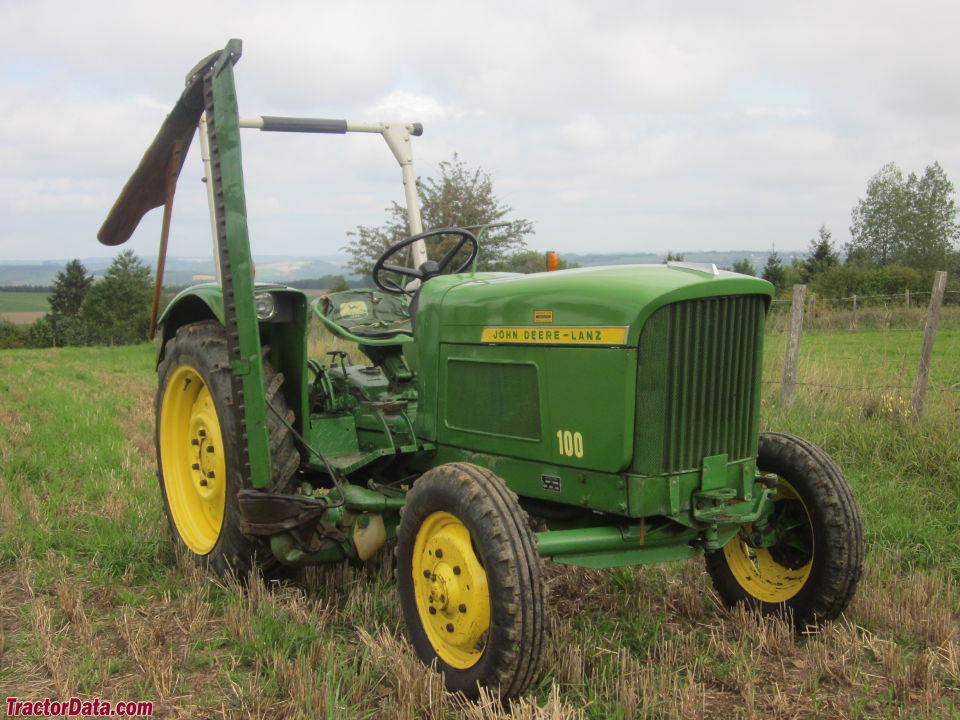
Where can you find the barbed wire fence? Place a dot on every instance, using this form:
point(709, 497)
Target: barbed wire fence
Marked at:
point(890, 312)
point(895, 311)
point(906, 298)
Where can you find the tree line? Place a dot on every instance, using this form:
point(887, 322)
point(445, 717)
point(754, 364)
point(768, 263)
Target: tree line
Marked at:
point(112, 311)
point(26, 288)
point(901, 232)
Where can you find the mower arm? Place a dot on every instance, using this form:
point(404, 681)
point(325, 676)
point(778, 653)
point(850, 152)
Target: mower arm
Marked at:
point(147, 187)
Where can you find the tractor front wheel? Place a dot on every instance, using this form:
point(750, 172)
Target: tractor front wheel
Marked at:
point(808, 565)
point(198, 458)
point(470, 581)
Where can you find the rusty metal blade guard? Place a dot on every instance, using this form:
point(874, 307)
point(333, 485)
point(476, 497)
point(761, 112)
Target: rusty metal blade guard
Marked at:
point(146, 188)
point(268, 513)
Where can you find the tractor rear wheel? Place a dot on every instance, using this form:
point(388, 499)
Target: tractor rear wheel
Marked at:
point(470, 581)
point(198, 460)
point(810, 571)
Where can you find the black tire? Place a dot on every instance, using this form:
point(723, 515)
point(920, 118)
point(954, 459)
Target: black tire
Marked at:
point(505, 655)
point(197, 455)
point(811, 572)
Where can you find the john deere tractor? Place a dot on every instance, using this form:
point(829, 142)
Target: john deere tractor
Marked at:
point(598, 417)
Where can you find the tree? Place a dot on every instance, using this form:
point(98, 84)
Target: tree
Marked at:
point(69, 289)
point(338, 285)
point(673, 257)
point(64, 326)
point(773, 271)
point(117, 308)
point(875, 218)
point(460, 197)
point(324, 282)
point(932, 222)
point(744, 267)
point(821, 256)
point(910, 221)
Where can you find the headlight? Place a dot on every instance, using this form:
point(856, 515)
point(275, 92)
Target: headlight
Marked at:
point(266, 306)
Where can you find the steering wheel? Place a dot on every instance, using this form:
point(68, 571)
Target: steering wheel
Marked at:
point(427, 269)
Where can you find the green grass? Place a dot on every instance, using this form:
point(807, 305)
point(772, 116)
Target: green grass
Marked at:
point(94, 603)
point(906, 475)
point(23, 301)
point(874, 358)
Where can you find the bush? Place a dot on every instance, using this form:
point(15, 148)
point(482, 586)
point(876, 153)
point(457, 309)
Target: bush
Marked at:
point(68, 330)
point(844, 281)
point(12, 335)
point(42, 334)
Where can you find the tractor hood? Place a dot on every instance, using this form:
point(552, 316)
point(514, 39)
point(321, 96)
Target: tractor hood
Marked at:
point(585, 306)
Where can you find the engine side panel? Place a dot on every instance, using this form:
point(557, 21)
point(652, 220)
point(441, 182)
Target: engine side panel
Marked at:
point(560, 405)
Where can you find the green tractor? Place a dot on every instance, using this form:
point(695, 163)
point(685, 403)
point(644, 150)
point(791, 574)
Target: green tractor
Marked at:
point(599, 417)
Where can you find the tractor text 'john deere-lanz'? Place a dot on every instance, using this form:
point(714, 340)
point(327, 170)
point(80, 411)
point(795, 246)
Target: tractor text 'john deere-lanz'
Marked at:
point(614, 410)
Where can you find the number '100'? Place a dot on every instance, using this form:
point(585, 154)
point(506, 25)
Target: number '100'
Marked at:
point(570, 444)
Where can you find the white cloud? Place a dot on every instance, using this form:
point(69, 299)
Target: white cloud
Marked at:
point(404, 105)
point(734, 122)
point(778, 113)
point(587, 132)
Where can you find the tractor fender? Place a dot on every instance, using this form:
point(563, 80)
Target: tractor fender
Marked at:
point(195, 304)
point(285, 333)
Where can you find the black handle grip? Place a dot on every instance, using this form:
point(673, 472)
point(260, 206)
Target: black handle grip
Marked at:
point(304, 125)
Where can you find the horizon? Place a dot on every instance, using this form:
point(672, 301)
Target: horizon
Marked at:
point(184, 271)
point(344, 256)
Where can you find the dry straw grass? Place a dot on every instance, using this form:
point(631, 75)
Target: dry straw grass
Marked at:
point(629, 643)
point(894, 650)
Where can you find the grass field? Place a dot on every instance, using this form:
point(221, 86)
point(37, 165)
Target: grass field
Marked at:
point(23, 302)
point(94, 604)
point(23, 308)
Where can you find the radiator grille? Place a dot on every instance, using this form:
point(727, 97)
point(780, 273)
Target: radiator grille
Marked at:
point(698, 384)
point(499, 398)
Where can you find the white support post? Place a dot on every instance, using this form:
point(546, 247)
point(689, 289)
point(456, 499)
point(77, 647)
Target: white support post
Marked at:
point(398, 140)
point(397, 136)
point(211, 200)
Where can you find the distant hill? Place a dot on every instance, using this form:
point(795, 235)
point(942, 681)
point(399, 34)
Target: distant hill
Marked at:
point(182, 271)
point(721, 258)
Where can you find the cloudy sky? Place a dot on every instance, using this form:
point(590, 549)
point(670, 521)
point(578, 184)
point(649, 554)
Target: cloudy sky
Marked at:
point(613, 126)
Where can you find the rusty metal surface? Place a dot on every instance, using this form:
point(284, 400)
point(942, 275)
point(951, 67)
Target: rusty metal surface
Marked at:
point(266, 513)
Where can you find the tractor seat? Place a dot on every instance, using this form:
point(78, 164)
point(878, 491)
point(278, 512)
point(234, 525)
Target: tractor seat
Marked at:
point(366, 315)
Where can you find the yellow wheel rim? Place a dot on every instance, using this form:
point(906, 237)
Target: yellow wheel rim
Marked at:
point(192, 459)
point(766, 573)
point(450, 588)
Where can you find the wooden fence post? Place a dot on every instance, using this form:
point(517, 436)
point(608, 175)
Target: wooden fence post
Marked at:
point(929, 335)
point(907, 297)
point(793, 345)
